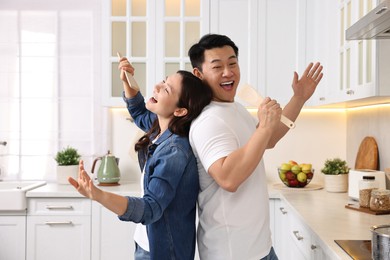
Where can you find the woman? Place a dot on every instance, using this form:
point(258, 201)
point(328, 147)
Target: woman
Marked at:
point(170, 175)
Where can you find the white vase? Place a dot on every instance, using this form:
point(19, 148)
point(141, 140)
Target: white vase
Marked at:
point(65, 171)
point(336, 183)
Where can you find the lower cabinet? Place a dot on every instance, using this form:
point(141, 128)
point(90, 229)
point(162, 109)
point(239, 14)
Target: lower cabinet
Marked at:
point(58, 228)
point(111, 238)
point(67, 228)
point(13, 237)
point(291, 237)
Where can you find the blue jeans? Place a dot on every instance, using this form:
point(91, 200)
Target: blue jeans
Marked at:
point(271, 256)
point(141, 254)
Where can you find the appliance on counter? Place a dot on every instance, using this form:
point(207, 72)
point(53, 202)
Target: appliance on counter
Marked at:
point(374, 25)
point(355, 176)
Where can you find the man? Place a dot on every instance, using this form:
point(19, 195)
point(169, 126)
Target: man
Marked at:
point(229, 145)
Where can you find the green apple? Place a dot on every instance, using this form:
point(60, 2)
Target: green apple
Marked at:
point(282, 176)
point(285, 167)
point(296, 169)
point(302, 177)
point(306, 168)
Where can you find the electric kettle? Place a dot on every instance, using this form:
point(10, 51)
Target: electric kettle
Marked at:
point(108, 173)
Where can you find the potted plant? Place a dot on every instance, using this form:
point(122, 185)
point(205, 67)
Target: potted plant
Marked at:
point(336, 175)
point(67, 164)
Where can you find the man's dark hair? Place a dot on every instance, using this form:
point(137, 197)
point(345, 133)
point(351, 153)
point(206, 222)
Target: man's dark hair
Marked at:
point(207, 42)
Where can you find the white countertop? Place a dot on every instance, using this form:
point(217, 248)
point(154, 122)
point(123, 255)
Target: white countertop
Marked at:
point(323, 212)
point(55, 190)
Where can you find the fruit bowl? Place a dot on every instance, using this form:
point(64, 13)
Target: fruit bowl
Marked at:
point(294, 175)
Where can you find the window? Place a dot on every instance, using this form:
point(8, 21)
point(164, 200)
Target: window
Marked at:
point(49, 90)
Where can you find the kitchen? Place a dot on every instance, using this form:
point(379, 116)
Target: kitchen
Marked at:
point(321, 131)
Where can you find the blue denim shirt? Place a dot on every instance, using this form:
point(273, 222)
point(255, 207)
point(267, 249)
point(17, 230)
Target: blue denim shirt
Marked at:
point(171, 186)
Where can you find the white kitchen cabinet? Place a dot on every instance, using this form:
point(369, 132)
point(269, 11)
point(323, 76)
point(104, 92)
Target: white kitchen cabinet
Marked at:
point(111, 237)
point(58, 228)
point(13, 237)
point(270, 35)
point(322, 45)
point(280, 239)
point(154, 35)
point(293, 237)
point(363, 64)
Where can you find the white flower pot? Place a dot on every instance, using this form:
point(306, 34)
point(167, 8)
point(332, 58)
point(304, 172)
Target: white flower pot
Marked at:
point(65, 171)
point(336, 183)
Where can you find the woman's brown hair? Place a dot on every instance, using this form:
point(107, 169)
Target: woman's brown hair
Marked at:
point(195, 95)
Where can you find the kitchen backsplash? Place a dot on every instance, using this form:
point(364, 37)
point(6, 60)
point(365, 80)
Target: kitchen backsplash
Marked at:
point(319, 134)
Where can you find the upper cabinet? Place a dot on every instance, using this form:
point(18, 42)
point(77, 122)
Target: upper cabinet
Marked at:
point(270, 35)
point(275, 38)
point(362, 74)
point(154, 35)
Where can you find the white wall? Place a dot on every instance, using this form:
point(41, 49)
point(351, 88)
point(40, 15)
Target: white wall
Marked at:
point(318, 135)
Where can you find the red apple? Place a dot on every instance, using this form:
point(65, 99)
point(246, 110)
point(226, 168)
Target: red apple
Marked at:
point(293, 183)
point(290, 176)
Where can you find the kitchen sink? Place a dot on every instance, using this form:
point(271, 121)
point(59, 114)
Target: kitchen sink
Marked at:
point(13, 194)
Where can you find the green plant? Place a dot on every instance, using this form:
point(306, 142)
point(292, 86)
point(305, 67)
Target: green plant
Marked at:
point(68, 156)
point(335, 166)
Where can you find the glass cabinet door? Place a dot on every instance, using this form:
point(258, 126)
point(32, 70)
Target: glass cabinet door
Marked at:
point(154, 35)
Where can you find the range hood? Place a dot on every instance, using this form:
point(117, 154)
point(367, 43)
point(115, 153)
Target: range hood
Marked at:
point(374, 25)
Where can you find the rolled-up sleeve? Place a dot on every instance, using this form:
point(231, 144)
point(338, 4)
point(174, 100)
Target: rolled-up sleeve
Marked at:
point(135, 210)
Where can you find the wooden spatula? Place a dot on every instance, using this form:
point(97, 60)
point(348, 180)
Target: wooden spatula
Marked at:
point(250, 95)
point(130, 79)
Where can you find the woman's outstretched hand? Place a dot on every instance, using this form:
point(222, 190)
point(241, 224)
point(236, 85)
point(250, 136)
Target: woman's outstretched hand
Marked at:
point(84, 184)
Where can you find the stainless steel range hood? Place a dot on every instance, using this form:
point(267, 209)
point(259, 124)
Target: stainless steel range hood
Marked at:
point(374, 25)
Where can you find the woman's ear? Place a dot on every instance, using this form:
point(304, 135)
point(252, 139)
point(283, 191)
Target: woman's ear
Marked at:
point(180, 112)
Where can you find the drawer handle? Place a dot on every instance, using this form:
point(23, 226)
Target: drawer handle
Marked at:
point(49, 207)
point(313, 247)
point(284, 212)
point(296, 234)
point(58, 223)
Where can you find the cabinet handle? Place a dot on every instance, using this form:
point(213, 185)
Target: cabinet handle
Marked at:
point(383, 9)
point(296, 234)
point(58, 223)
point(313, 247)
point(50, 207)
point(350, 92)
point(322, 98)
point(284, 212)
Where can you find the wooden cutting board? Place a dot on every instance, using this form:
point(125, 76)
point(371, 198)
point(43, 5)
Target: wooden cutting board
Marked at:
point(367, 156)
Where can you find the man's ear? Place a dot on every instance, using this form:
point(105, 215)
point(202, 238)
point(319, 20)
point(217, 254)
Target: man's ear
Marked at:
point(197, 73)
point(180, 112)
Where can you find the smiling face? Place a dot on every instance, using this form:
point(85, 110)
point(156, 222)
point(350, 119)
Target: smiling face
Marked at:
point(220, 70)
point(166, 97)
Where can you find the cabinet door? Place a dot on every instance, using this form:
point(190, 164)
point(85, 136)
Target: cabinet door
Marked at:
point(322, 45)
point(12, 237)
point(283, 44)
point(58, 237)
point(357, 58)
point(282, 227)
point(111, 237)
point(154, 35)
point(238, 19)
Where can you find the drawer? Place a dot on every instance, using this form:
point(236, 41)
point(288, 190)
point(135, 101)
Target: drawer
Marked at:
point(59, 206)
point(301, 236)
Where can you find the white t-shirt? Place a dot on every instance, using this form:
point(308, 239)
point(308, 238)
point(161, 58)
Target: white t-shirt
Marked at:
point(140, 234)
point(232, 225)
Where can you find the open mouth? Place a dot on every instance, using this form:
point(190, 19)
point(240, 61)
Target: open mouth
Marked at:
point(227, 85)
point(153, 100)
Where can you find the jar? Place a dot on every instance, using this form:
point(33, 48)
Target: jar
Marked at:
point(380, 200)
point(366, 185)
